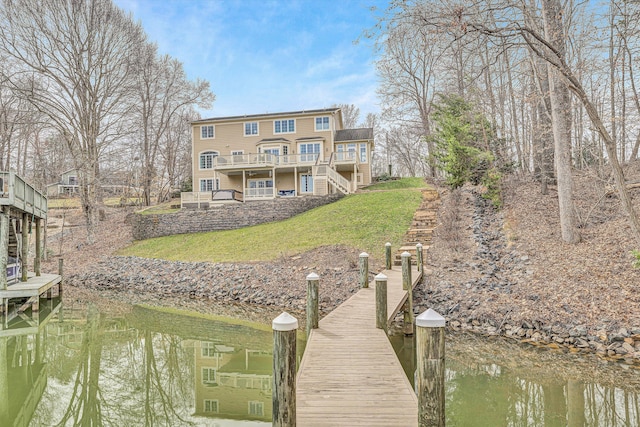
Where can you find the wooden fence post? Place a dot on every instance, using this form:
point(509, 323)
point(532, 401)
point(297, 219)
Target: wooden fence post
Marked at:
point(387, 252)
point(313, 283)
point(430, 369)
point(407, 285)
point(364, 270)
point(381, 301)
point(420, 257)
point(284, 371)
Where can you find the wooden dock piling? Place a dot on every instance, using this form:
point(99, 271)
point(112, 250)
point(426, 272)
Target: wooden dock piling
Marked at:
point(430, 369)
point(407, 285)
point(364, 269)
point(38, 259)
point(25, 246)
point(313, 284)
point(381, 302)
point(387, 252)
point(284, 370)
point(4, 243)
point(420, 257)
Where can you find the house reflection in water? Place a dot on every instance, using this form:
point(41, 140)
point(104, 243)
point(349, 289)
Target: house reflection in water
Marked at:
point(23, 373)
point(232, 383)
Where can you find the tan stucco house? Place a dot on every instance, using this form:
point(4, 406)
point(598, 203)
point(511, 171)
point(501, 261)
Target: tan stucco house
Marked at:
point(264, 156)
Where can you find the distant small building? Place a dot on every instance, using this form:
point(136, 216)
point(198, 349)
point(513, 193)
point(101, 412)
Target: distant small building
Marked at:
point(69, 185)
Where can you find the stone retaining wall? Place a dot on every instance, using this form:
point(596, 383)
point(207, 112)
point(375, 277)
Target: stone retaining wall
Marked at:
point(224, 217)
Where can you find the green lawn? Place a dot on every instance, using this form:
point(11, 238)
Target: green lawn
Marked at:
point(364, 221)
point(398, 184)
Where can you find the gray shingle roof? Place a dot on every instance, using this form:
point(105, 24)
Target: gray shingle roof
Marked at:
point(354, 134)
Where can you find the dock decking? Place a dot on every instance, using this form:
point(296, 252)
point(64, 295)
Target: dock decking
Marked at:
point(350, 374)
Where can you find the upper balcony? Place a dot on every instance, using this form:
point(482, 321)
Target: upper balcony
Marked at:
point(20, 195)
point(246, 161)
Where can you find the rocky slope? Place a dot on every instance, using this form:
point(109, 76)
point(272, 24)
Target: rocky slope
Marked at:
point(501, 272)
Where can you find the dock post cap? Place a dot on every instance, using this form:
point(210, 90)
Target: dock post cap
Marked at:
point(388, 244)
point(364, 255)
point(430, 319)
point(284, 322)
point(311, 276)
point(405, 254)
point(380, 276)
point(419, 245)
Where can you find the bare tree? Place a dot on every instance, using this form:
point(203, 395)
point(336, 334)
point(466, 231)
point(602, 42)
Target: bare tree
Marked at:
point(350, 115)
point(163, 91)
point(76, 57)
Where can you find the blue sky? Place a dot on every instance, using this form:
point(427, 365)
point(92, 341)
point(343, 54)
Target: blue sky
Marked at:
point(267, 56)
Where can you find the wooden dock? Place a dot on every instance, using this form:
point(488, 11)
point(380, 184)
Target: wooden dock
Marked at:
point(350, 374)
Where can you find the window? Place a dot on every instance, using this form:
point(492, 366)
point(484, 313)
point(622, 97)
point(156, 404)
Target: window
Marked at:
point(363, 153)
point(207, 132)
point(306, 183)
point(73, 180)
point(237, 152)
point(209, 376)
point(256, 408)
point(208, 349)
point(211, 406)
point(284, 126)
point(322, 123)
point(250, 128)
point(309, 152)
point(206, 159)
point(209, 184)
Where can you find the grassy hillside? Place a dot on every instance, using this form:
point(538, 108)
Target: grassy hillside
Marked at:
point(364, 221)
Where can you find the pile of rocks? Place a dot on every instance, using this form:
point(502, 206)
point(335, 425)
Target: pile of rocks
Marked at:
point(279, 283)
point(488, 293)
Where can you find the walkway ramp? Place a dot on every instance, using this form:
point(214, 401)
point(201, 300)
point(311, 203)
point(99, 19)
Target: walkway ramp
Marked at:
point(350, 374)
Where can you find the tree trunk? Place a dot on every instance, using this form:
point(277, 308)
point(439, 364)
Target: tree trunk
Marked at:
point(560, 112)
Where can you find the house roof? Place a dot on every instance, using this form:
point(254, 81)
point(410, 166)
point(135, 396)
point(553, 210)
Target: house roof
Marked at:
point(310, 138)
point(265, 140)
point(354, 134)
point(268, 115)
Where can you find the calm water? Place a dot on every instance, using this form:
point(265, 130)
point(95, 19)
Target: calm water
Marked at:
point(147, 368)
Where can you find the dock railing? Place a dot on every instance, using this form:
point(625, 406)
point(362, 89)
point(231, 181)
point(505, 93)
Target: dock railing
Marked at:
point(19, 194)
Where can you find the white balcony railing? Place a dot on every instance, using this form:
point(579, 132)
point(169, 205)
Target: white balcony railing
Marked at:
point(259, 193)
point(345, 157)
point(263, 159)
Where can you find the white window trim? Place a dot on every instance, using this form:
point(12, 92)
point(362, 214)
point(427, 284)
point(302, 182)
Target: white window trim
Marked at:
point(244, 129)
point(204, 406)
point(237, 152)
point(216, 184)
point(295, 126)
point(215, 375)
point(315, 124)
point(257, 404)
point(217, 153)
point(208, 137)
point(305, 191)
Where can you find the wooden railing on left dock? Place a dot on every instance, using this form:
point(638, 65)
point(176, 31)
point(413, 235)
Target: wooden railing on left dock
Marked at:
point(19, 194)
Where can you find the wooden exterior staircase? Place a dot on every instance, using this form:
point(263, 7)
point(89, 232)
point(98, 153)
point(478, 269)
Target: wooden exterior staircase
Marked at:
point(422, 226)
